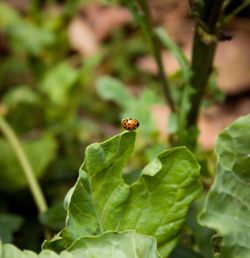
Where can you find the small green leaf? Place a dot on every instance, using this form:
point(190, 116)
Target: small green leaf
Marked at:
point(20, 94)
point(172, 123)
point(112, 89)
point(185, 134)
point(33, 38)
point(140, 108)
point(24, 34)
point(58, 82)
point(227, 208)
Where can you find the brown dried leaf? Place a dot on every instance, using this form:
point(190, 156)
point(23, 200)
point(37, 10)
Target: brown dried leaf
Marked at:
point(82, 38)
point(104, 20)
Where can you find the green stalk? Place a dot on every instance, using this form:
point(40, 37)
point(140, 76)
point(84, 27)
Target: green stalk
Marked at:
point(156, 51)
point(204, 46)
point(24, 162)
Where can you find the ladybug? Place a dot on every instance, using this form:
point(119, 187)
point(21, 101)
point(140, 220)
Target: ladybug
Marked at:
point(130, 124)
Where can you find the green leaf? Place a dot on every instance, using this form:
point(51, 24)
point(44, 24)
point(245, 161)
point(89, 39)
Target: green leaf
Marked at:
point(10, 251)
point(33, 38)
point(140, 108)
point(20, 94)
point(117, 245)
point(159, 200)
point(227, 208)
point(111, 244)
point(9, 224)
point(172, 123)
point(40, 153)
point(112, 89)
point(95, 202)
point(24, 34)
point(156, 204)
point(153, 151)
point(184, 133)
point(58, 82)
point(201, 235)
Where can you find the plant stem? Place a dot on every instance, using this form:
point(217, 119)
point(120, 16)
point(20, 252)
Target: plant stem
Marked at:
point(157, 55)
point(204, 46)
point(22, 158)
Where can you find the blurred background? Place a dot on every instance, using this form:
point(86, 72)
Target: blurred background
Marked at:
point(71, 70)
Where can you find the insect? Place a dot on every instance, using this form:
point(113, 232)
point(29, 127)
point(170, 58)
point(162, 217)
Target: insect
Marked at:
point(130, 124)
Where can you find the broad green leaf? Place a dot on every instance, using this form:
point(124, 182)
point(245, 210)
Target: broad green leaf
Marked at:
point(58, 82)
point(117, 245)
point(112, 89)
point(201, 235)
point(159, 200)
point(10, 251)
point(227, 208)
point(9, 224)
point(40, 153)
point(156, 204)
point(95, 203)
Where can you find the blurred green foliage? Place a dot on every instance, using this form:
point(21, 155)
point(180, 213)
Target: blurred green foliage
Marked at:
point(57, 107)
point(58, 102)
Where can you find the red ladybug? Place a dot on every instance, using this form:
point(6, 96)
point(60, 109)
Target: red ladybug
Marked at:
point(130, 124)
